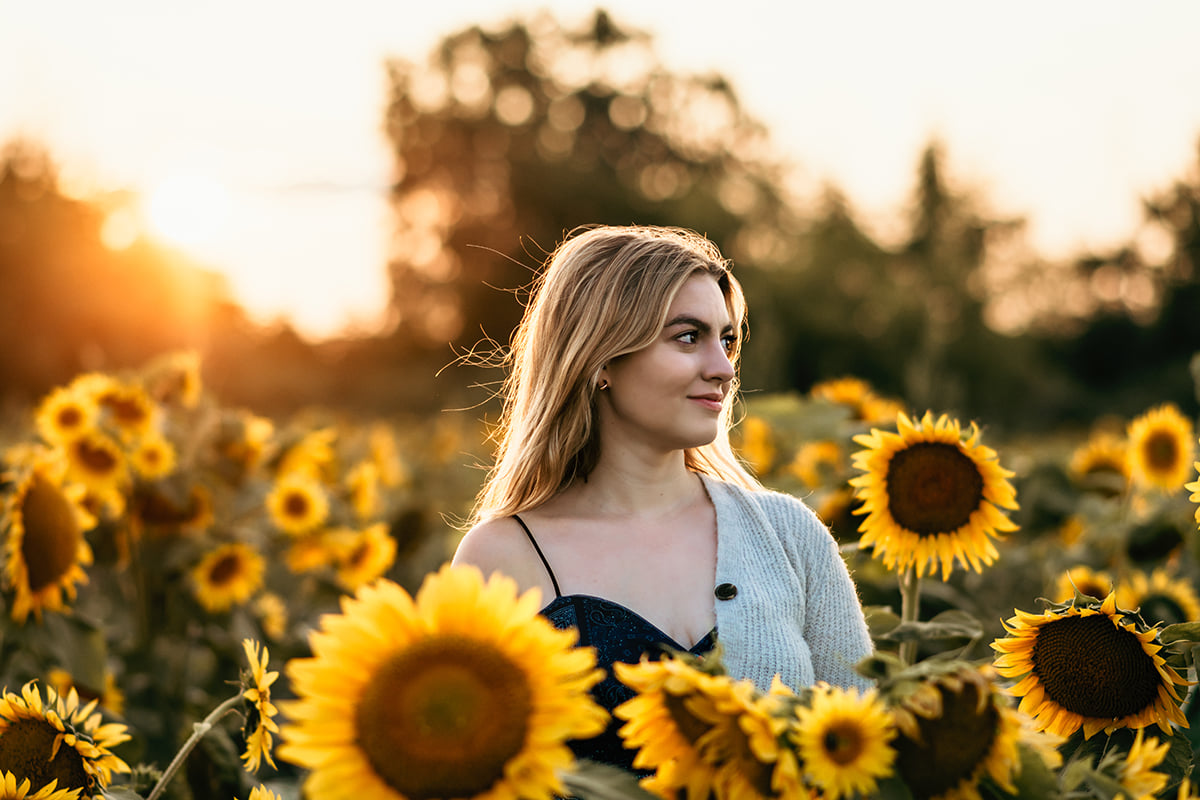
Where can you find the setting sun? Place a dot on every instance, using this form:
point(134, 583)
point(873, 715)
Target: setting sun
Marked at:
point(189, 209)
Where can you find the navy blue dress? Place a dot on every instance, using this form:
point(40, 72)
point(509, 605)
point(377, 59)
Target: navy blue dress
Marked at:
point(618, 634)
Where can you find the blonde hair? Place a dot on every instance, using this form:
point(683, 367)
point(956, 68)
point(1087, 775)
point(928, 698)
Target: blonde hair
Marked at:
point(605, 292)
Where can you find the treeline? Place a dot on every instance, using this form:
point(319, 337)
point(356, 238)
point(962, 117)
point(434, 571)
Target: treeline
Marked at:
point(506, 138)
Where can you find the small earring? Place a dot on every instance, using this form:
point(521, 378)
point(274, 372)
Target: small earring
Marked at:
point(602, 385)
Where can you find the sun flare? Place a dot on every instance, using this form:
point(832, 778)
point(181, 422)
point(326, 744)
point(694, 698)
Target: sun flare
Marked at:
point(188, 208)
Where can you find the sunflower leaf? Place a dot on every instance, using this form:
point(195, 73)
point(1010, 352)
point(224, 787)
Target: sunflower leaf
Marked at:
point(1035, 780)
point(953, 624)
point(120, 793)
point(590, 780)
point(1181, 631)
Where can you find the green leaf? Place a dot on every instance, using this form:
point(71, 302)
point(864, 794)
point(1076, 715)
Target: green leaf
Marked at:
point(1036, 781)
point(121, 793)
point(953, 624)
point(1182, 631)
point(590, 780)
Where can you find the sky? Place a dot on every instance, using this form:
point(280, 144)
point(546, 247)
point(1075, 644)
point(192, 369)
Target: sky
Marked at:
point(251, 131)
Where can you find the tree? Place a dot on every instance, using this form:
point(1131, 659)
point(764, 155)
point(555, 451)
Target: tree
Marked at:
point(509, 138)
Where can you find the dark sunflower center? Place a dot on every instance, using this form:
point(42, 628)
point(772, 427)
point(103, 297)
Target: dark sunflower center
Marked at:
point(933, 487)
point(296, 504)
point(1089, 666)
point(690, 727)
point(126, 410)
point(952, 747)
point(25, 747)
point(226, 570)
point(756, 773)
point(1161, 450)
point(69, 417)
point(97, 459)
point(842, 743)
point(442, 718)
point(50, 545)
point(1163, 608)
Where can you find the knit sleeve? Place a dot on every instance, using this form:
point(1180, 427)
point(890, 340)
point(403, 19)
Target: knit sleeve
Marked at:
point(834, 626)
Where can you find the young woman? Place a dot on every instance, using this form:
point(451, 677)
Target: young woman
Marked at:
point(615, 489)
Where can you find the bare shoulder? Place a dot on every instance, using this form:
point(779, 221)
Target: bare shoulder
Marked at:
point(500, 545)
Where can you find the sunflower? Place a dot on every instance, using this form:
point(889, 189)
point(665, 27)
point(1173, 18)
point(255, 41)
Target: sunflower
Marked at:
point(260, 721)
point(1194, 488)
point(272, 615)
point(227, 576)
point(169, 512)
point(63, 415)
point(244, 442)
point(45, 549)
point(312, 551)
point(955, 729)
point(704, 733)
point(1137, 772)
point(312, 456)
point(297, 504)
point(1158, 598)
point(362, 487)
point(1083, 580)
point(1102, 463)
point(363, 555)
point(930, 495)
point(262, 793)
point(464, 692)
point(1088, 664)
point(386, 456)
point(175, 379)
point(97, 461)
point(129, 409)
point(58, 740)
point(853, 393)
point(816, 463)
point(153, 457)
point(843, 740)
point(756, 446)
point(10, 789)
point(1160, 448)
point(110, 697)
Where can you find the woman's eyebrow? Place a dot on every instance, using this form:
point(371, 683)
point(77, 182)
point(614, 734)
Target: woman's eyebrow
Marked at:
point(695, 322)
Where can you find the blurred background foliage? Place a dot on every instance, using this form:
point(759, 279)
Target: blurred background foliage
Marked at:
point(507, 138)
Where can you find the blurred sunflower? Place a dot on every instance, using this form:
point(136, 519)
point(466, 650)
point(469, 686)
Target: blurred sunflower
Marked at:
point(817, 463)
point(297, 504)
point(227, 576)
point(10, 789)
point(1194, 488)
point(756, 445)
point(930, 495)
point(1159, 598)
point(260, 722)
point(1137, 773)
point(129, 409)
point(64, 415)
point(954, 729)
point(58, 740)
point(843, 739)
point(170, 513)
point(363, 556)
point(853, 393)
point(272, 615)
point(244, 441)
point(465, 692)
point(313, 456)
point(311, 551)
point(1088, 664)
point(174, 379)
point(1160, 448)
point(96, 460)
point(386, 456)
point(362, 487)
point(45, 549)
point(1083, 580)
point(153, 456)
point(1102, 463)
point(110, 697)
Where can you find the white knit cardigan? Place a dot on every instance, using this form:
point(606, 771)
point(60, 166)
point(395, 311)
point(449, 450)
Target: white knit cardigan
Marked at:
point(796, 611)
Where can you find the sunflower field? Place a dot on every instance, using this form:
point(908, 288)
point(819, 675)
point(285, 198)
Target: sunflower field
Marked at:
point(202, 602)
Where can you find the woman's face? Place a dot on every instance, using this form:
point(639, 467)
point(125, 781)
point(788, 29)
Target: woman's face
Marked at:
point(670, 394)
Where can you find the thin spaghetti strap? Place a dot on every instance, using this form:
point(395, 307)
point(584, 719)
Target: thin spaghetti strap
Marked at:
point(545, 563)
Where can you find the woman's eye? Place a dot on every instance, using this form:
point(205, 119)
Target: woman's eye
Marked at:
point(688, 337)
point(730, 343)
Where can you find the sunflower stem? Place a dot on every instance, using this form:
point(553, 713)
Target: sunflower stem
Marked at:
point(910, 610)
point(198, 732)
